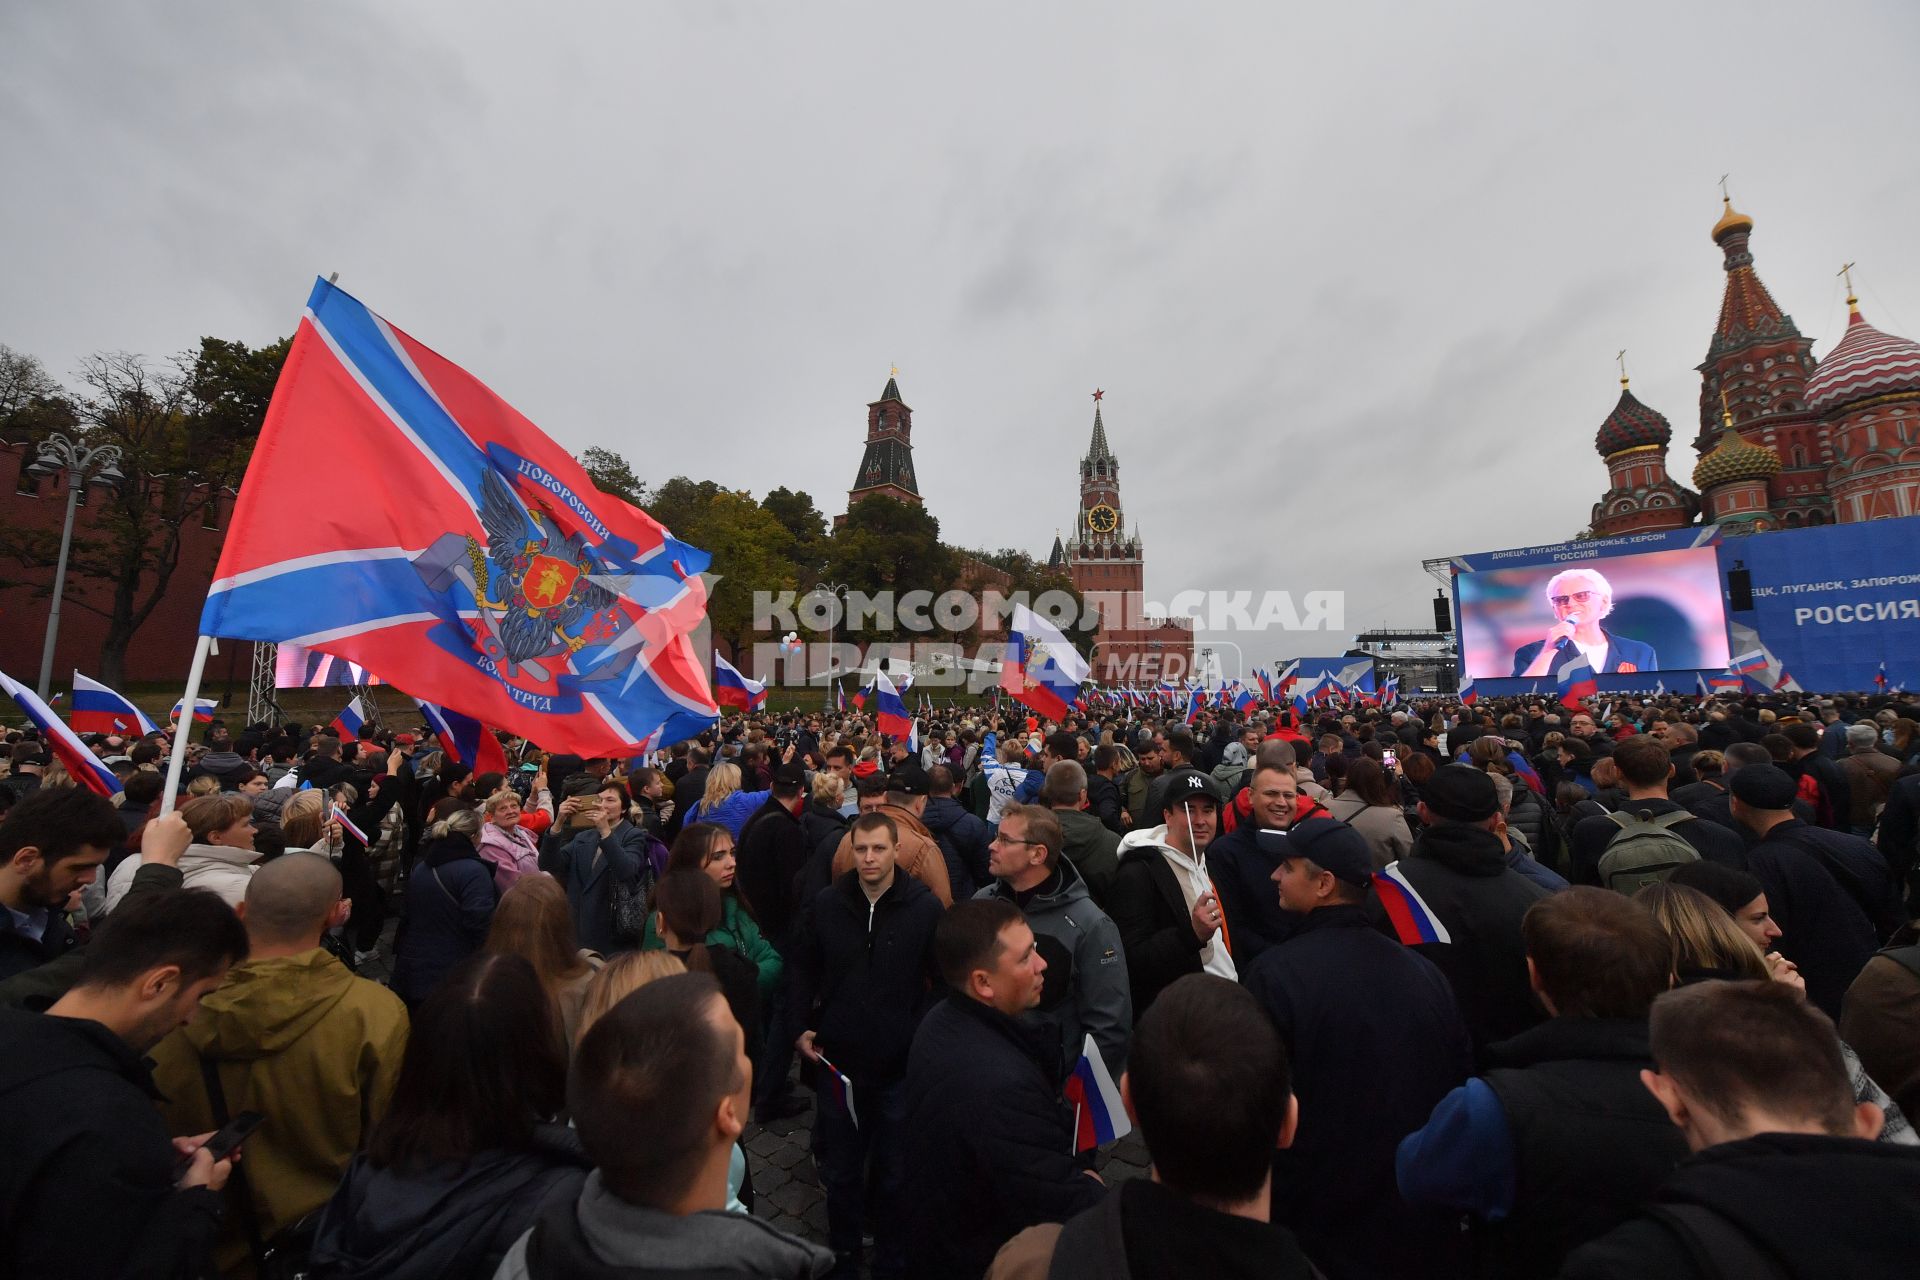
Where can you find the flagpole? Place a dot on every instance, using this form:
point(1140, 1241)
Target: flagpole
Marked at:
point(177, 762)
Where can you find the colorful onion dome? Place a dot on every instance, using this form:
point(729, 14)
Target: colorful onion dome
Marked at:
point(1864, 365)
point(1734, 459)
point(1631, 425)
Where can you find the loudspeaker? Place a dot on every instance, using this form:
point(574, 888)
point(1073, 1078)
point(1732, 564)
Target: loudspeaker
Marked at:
point(1442, 614)
point(1740, 589)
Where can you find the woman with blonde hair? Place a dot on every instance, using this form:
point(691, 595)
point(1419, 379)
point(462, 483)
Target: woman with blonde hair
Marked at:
point(1707, 945)
point(533, 921)
point(724, 802)
point(220, 858)
point(505, 842)
point(623, 975)
point(306, 824)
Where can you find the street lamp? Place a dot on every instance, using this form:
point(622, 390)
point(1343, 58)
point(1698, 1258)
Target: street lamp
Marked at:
point(838, 592)
point(84, 466)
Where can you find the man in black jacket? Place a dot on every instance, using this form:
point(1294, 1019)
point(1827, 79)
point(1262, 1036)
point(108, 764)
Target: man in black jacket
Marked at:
point(1828, 891)
point(1785, 1178)
point(1208, 1084)
point(1376, 1041)
point(1242, 866)
point(51, 844)
point(860, 982)
point(773, 849)
point(1559, 1142)
point(989, 1141)
point(1458, 868)
point(961, 835)
point(90, 1185)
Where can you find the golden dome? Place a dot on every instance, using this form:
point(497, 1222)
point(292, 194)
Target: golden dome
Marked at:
point(1730, 220)
point(1734, 459)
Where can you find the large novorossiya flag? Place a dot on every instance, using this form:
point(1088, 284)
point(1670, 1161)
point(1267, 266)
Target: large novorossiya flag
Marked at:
point(400, 515)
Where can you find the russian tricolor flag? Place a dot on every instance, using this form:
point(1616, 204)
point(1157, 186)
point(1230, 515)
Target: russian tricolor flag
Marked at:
point(1195, 700)
point(1576, 680)
point(731, 689)
point(1879, 678)
point(1468, 695)
point(465, 740)
point(1413, 920)
point(347, 825)
point(349, 721)
point(1041, 669)
point(1098, 1114)
point(203, 709)
point(67, 748)
point(894, 721)
point(1724, 682)
point(839, 1087)
point(98, 709)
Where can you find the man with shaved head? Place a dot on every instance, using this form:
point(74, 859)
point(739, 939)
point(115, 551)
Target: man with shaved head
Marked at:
point(291, 1034)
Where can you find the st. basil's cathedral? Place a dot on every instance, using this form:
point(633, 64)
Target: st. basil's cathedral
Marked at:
point(1785, 440)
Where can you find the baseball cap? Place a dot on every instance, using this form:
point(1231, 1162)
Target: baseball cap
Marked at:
point(1461, 793)
point(1187, 785)
point(908, 780)
point(1329, 844)
point(402, 739)
point(1764, 786)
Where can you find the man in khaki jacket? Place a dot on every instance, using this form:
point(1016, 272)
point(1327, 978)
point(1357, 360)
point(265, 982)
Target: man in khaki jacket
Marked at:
point(295, 1036)
point(920, 855)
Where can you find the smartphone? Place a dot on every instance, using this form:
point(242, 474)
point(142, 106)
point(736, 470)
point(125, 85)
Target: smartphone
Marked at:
point(530, 767)
point(1389, 759)
point(224, 1141)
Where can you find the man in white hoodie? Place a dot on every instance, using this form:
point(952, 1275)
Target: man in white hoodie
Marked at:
point(1162, 900)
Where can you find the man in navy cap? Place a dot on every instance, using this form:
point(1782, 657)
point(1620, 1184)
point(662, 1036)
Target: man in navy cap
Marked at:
point(1376, 1041)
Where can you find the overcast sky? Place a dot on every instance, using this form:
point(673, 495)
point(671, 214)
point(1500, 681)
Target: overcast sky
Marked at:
point(1352, 276)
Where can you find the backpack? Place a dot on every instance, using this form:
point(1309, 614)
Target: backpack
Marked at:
point(1644, 850)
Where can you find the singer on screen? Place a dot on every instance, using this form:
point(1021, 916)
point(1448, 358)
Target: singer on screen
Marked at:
point(1580, 600)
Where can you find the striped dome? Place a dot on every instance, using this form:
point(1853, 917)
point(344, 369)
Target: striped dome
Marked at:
point(1734, 459)
point(1866, 363)
point(1631, 425)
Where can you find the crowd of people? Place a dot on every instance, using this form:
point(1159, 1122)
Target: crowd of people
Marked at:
point(1435, 990)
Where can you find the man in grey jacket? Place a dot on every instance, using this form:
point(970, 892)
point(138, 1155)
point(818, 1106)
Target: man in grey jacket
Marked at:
point(1086, 990)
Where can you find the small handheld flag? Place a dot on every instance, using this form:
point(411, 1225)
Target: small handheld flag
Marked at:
point(464, 739)
point(1467, 693)
point(731, 689)
point(347, 824)
point(203, 709)
point(98, 709)
point(1098, 1113)
point(894, 721)
point(839, 1086)
point(351, 719)
point(66, 746)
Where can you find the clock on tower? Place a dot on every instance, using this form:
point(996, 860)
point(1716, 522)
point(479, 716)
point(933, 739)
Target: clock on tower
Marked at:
point(1103, 519)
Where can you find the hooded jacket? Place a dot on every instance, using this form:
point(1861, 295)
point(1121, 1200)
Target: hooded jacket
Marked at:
point(88, 1190)
point(310, 1047)
point(1085, 991)
point(224, 870)
point(737, 933)
point(602, 1237)
point(1461, 872)
point(919, 856)
point(1814, 1206)
point(963, 838)
point(1155, 918)
point(452, 1220)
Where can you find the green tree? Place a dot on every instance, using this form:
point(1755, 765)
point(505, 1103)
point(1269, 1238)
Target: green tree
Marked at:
point(185, 430)
point(889, 546)
point(806, 529)
point(611, 473)
point(32, 404)
point(745, 541)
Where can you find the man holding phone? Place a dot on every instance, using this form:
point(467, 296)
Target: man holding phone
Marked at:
point(90, 1186)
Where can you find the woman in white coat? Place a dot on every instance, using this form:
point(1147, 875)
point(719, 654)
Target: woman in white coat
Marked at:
point(220, 858)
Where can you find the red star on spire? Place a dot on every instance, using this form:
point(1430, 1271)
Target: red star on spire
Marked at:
point(1097, 393)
